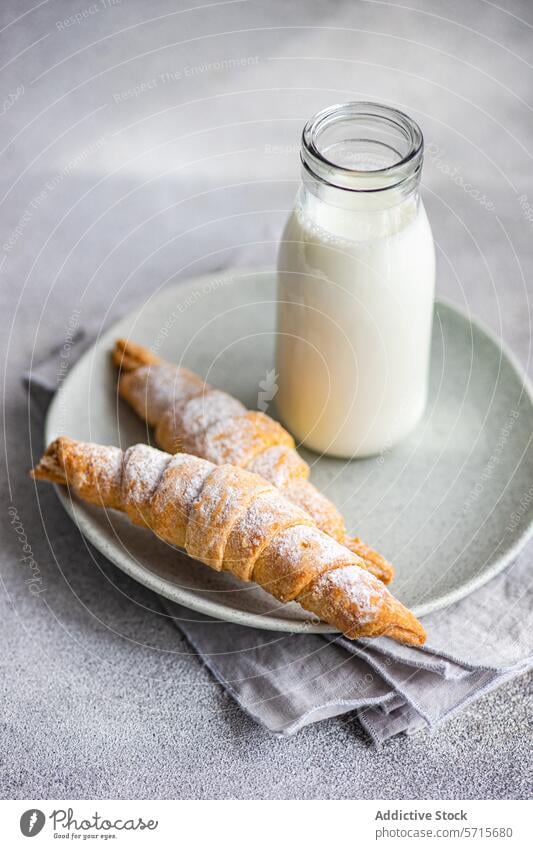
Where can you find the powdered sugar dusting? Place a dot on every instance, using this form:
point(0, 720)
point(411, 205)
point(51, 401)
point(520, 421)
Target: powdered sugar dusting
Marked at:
point(222, 495)
point(206, 409)
point(225, 496)
point(155, 388)
point(279, 464)
point(323, 511)
point(304, 539)
point(268, 514)
point(239, 439)
point(98, 478)
point(183, 488)
point(143, 467)
point(357, 587)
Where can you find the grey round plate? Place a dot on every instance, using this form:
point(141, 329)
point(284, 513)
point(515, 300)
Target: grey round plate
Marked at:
point(450, 507)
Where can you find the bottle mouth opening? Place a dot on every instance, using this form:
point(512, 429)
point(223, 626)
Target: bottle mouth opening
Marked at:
point(362, 146)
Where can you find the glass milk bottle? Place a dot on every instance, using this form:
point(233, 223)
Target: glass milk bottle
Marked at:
point(356, 278)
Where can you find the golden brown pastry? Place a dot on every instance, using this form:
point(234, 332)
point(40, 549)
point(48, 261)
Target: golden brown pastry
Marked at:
point(191, 416)
point(233, 520)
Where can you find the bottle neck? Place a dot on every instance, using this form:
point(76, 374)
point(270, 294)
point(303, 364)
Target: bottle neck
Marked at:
point(356, 216)
point(370, 200)
point(362, 159)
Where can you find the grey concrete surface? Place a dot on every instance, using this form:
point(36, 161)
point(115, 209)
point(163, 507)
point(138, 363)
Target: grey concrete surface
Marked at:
point(142, 143)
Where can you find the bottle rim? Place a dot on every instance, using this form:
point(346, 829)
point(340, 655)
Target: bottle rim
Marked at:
point(407, 144)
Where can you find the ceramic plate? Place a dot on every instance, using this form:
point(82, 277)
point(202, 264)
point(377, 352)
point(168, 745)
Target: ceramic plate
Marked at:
point(450, 507)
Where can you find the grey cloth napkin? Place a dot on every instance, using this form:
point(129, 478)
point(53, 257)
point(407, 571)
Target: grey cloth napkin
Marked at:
point(287, 681)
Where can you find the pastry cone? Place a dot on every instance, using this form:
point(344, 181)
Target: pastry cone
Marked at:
point(233, 520)
point(191, 416)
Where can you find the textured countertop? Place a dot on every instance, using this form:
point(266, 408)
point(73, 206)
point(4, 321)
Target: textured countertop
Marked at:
point(122, 129)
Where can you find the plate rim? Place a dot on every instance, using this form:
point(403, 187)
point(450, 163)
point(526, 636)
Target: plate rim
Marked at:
point(213, 609)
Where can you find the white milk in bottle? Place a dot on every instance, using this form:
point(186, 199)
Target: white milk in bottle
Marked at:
point(356, 276)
